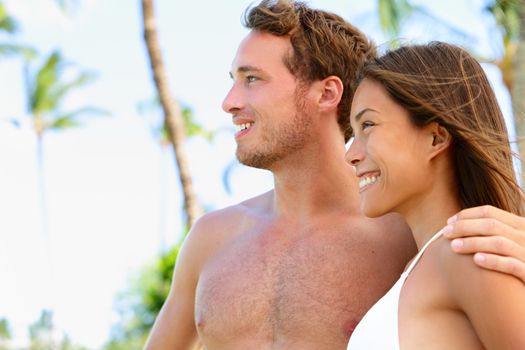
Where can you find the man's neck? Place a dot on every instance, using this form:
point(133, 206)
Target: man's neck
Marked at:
point(316, 184)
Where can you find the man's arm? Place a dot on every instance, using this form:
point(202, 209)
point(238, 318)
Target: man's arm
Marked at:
point(494, 236)
point(174, 327)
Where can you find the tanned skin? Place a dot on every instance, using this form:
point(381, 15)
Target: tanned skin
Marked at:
point(297, 267)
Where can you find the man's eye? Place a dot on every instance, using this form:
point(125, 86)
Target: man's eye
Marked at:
point(251, 78)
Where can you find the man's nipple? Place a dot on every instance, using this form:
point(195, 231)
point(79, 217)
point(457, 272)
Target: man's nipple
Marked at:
point(200, 322)
point(348, 327)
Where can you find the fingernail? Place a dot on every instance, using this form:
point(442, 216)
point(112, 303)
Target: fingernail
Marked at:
point(479, 258)
point(452, 219)
point(447, 230)
point(457, 244)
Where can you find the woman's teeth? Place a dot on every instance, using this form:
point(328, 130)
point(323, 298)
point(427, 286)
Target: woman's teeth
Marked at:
point(368, 180)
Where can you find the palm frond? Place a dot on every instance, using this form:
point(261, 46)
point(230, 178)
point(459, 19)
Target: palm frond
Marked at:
point(46, 78)
point(7, 23)
point(47, 89)
point(59, 90)
point(71, 119)
point(193, 128)
point(8, 49)
point(507, 16)
point(392, 14)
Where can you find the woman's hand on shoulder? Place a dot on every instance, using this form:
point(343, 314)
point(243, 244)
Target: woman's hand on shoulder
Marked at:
point(494, 236)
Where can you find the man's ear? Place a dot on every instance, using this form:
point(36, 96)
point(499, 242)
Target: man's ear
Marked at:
point(440, 139)
point(331, 91)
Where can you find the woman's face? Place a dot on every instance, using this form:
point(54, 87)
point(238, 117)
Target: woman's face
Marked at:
point(389, 153)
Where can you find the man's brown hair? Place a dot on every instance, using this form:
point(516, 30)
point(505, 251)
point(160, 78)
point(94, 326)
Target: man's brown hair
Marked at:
point(323, 43)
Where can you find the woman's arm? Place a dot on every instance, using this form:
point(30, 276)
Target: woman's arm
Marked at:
point(493, 302)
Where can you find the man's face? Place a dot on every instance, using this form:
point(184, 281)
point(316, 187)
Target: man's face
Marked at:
point(266, 103)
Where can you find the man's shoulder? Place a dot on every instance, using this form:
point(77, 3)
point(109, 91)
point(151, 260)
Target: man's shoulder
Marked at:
point(389, 234)
point(232, 220)
point(388, 228)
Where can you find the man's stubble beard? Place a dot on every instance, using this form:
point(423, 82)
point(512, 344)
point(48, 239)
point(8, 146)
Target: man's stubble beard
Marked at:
point(276, 144)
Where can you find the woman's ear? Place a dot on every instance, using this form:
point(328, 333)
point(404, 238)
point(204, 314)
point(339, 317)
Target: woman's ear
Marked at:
point(331, 93)
point(441, 139)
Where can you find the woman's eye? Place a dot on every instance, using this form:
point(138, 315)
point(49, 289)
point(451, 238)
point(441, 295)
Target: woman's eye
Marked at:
point(366, 124)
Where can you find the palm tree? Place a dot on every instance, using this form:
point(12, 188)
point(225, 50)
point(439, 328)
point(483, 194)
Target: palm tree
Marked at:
point(46, 90)
point(173, 118)
point(518, 88)
point(510, 18)
point(152, 109)
point(10, 26)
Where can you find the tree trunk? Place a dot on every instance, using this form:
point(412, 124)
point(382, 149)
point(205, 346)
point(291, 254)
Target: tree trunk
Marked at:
point(172, 113)
point(47, 248)
point(42, 186)
point(518, 91)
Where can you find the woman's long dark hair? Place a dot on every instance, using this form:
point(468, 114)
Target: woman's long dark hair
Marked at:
point(440, 82)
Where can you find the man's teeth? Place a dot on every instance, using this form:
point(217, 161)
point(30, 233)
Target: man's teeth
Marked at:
point(369, 180)
point(241, 127)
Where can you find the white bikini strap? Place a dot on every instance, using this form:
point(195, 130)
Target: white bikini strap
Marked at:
point(420, 253)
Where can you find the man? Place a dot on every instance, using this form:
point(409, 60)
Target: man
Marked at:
point(297, 267)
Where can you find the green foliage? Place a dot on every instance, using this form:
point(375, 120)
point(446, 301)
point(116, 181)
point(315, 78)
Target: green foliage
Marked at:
point(7, 23)
point(392, 14)
point(139, 306)
point(70, 119)
point(9, 49)
point(5, 334)
point(153, 111)
point(42, 335)
point(124, 344)
point(193, 128)
point(47, 89)
point(10, 26)
point(41, 332)
point(67, 344)
point(507, 16)
point(5, 331)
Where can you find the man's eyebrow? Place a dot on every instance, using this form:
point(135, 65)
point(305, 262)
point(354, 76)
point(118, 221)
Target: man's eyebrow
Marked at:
point(360, 114)
point(244, 69)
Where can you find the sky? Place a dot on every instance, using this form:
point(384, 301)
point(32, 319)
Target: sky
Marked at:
point(112, 196)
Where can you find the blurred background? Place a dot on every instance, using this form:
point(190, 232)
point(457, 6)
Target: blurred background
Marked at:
point(92, 207)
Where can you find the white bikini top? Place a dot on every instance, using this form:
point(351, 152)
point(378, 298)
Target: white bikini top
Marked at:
point(378, 330)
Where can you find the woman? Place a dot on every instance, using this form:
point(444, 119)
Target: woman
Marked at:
point(430, 140)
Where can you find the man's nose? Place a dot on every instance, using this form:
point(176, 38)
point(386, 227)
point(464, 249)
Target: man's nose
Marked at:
point(233, 101)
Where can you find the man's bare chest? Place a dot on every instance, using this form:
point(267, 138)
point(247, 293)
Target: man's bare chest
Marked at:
point(281, 287)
